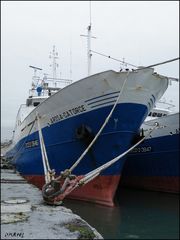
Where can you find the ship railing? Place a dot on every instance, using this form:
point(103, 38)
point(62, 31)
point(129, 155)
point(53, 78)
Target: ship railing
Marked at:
point(45, 92)
point(50, 86)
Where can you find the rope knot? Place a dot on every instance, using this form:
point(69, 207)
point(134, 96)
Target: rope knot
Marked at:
point(66, 173)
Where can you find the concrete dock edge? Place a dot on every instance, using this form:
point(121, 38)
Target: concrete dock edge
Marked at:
point(24, 215)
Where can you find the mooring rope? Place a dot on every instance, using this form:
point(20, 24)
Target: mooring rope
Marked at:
point(56, 196)
point(89, 176)
point(161, 63)
point(102, 127)
point(49, 174)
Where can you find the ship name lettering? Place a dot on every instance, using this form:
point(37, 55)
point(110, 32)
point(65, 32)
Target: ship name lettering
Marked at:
point(32, 143)
point(68, 113)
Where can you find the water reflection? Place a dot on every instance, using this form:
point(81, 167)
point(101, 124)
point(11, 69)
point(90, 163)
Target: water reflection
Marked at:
point(137, 215)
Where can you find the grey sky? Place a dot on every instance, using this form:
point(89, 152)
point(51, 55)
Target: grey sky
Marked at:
point(143, 32)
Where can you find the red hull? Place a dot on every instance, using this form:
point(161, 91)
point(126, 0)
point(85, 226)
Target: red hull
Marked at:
point(163, 184)
point(100, 190)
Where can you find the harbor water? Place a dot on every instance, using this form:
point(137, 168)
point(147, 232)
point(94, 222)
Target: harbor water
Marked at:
point(138, 214)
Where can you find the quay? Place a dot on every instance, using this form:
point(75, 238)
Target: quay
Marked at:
point(24, 215)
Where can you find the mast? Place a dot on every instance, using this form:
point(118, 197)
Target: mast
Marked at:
point(89, 42)
point(54, 56)
point(89, 36)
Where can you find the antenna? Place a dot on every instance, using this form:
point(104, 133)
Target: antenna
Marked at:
point(70, 63)
point(45, 76)
point(89, 36)
point(35, 67)
point(90, 12)
point(54, 56)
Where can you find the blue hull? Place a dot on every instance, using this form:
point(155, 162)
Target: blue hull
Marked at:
point(63, 149)
point(155, 166)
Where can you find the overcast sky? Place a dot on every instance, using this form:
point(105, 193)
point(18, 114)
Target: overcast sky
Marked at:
point(142, 32)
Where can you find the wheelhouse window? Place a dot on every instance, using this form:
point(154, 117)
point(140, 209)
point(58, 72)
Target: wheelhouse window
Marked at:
point(36, 104)
point(159, 114)
point(28, 102)
point(154, 114)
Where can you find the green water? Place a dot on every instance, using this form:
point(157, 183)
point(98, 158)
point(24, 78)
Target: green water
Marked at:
point(137, 215)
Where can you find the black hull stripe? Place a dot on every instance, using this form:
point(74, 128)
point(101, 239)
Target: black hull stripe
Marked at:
point(102, 100)
point(101, 96)
point(103, 104)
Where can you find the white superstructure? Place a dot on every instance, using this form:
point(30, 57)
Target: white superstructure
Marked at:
point(142, 87)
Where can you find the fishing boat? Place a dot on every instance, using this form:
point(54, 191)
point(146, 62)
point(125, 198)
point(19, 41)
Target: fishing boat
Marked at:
point(154, 164)
point(72, 116)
